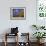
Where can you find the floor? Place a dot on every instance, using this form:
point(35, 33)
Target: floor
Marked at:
point(13, 44)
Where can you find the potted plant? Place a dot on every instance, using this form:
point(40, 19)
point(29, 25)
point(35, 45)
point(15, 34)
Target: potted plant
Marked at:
point(38, 27)
point(39, 35)
point(35, 26)
point(42, 27)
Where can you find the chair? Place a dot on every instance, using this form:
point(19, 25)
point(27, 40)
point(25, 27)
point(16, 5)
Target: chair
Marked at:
point(14, 32)
point(25, 37)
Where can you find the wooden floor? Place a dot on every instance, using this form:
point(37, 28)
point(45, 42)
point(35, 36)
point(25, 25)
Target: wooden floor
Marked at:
point(13, 44)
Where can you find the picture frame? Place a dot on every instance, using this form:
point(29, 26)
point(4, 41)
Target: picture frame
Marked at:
point(41, 12)
point(17, 13)
point(41, 8)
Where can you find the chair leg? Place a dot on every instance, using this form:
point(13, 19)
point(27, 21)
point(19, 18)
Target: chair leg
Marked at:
point(5, 40)
point(17, 39)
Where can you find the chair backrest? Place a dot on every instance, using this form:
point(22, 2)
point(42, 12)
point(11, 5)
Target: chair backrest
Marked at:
point(14, 30)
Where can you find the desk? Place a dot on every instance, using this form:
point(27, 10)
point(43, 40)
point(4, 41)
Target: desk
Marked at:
point(8, 34)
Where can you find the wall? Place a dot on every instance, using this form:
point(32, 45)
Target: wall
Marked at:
point(24, 25)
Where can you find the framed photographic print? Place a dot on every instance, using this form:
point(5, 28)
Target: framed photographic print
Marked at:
point(17, 13)
point(41, 12)
point(41, 8)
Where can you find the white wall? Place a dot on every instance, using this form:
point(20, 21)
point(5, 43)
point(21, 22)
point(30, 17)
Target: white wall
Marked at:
point(24, 25)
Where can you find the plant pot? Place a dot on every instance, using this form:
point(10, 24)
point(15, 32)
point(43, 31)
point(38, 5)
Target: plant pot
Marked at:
point(38, 40)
